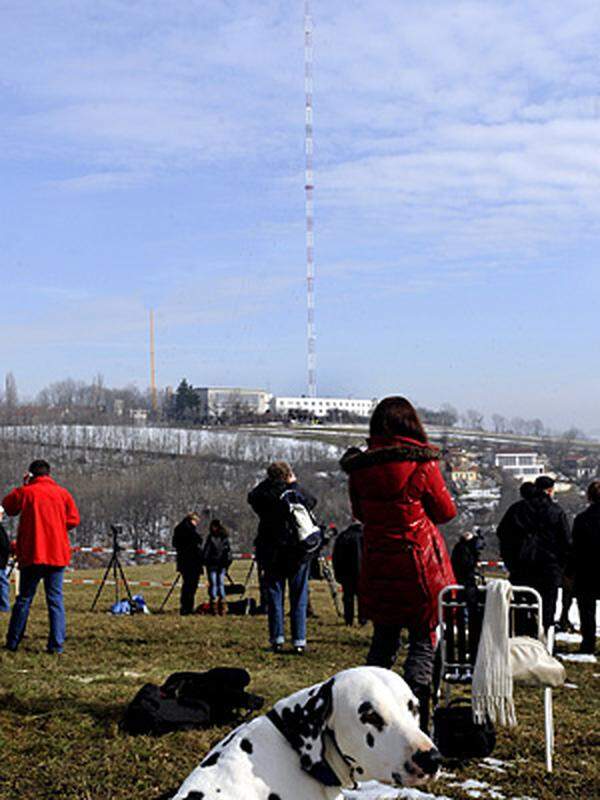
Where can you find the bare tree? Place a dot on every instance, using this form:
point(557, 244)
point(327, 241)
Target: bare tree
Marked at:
point(11, 396)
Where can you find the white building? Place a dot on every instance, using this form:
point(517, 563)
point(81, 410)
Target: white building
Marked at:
point(321, 406)
point(218, 400)
point(522, 466)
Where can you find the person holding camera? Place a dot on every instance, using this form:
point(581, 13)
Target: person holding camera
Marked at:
point(281, 559)
point(187, 543)
point(217, 560)
point(47, 512)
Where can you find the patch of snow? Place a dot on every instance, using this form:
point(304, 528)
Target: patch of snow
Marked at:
point(495, 762)
point(372, 790)
point(580, 658)
point(568, 638)
point(86, 678)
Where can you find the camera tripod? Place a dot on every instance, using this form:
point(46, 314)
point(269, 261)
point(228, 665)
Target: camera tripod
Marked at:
point(333, 590)
point(117, 569)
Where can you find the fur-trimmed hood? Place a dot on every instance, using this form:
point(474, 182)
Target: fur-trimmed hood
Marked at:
point(393, 450)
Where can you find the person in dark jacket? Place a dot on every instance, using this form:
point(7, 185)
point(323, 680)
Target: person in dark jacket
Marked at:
point(187, 542)
point(535, 541)
point(513, 527)
point(586, 561)
point(4, 554)
point(398, 492)
point(346, 558)
point(279, 554)
point(217, 559)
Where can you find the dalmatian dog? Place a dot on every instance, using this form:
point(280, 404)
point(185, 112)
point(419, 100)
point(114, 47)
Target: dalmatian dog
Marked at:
point(360, 725)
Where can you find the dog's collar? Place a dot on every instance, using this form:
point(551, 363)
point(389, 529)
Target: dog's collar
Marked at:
point(320, 770)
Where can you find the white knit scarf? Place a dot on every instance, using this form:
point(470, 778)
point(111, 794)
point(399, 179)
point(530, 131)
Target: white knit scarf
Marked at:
point(492, 689)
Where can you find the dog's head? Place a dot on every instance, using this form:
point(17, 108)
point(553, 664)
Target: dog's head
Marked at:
point(360, 725)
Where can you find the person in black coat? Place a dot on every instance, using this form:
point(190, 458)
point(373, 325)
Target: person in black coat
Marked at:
point(586, 562)
point(346, 557)
point(4, 554)
point(187, 542)
point(535, 543)
point(217, 558)
point(280, 558)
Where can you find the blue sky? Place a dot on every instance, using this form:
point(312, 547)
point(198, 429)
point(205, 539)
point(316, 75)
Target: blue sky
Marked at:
point(152, 156)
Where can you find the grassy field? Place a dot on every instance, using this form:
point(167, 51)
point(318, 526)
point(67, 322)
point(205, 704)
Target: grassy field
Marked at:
point(59, 735)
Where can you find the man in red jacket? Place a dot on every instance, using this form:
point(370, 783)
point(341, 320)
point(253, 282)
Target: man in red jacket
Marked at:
point(43, 550)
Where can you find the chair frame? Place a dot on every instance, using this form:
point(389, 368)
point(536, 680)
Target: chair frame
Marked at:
point(460, 669)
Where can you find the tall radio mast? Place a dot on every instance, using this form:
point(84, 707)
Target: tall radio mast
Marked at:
point(308, 188)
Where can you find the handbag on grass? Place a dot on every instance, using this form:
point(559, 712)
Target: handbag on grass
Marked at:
point(531, 663)
point(456, 735)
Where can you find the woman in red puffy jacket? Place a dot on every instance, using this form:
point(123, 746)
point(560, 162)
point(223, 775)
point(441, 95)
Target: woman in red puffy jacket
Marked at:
point(398, 492)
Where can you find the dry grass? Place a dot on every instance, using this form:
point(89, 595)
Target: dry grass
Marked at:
point(59, 716)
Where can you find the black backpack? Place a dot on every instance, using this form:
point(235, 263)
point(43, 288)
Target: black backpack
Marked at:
point(190, 700)
point(457, 736)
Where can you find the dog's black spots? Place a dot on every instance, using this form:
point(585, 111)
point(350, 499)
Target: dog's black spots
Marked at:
point(246, 745)
point(273, 796)
point(360, 770)
point(211, 760)
point(304, 723)
point(305, 761)
point(370, 739)
point(226, 741)
point(194, 795)
point(308, 746)
point(368, 716)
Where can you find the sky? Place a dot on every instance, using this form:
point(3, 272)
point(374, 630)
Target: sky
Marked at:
point(152, 156)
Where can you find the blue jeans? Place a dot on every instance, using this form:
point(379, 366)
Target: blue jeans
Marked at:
point(298, 589)
point(4, 590)
point(53, 585)
point(216, 583)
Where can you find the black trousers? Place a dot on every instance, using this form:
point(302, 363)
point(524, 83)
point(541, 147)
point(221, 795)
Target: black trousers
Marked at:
point(418, 667)
point(587, 616)
point(350, 596)
point(189, 586)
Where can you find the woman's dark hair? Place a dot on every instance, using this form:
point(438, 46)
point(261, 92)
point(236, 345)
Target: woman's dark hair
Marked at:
point(215, 527)
point(593, 492)
point(395, 416)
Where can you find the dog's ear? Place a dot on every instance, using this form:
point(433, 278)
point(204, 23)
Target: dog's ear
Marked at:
point(304, 726)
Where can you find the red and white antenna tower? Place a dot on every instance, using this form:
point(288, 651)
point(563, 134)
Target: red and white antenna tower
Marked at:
point(309, 188)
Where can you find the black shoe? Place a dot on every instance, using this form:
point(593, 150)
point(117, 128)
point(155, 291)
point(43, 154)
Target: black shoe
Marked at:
point(299, 649)
point(277, 647)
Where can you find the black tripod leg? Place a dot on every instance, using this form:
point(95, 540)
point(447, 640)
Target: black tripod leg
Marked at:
point(123, 578)
point(170, 592)
point(103, 582)
point(249, 575)
point(332, 587)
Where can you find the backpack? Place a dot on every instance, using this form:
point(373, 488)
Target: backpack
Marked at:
point(306, 534)
point(189, 700)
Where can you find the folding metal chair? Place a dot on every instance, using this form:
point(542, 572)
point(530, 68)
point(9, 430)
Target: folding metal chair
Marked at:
point(460, 629)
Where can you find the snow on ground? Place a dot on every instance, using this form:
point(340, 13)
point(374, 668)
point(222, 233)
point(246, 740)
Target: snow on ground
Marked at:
point(578, 658)
point(234, 445)
point(371, 790)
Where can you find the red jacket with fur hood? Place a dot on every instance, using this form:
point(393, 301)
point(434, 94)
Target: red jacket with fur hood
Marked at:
point(398, 492)
point(47, 512)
